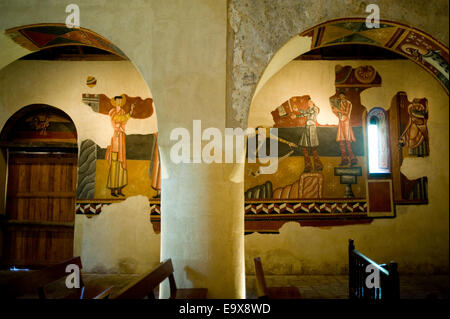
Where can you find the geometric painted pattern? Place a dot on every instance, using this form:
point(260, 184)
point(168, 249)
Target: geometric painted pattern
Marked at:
point(93, 208)
point(306, 208)
point(265, 217)
point(155, 209)
point(41, 36)
point(417, 46)
point(268, 208)
point(89, 208)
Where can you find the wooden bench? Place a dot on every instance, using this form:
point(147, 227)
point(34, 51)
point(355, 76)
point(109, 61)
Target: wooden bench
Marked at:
point(265, 292)
point(36, 281)
point(145, 285)
point(389, 285)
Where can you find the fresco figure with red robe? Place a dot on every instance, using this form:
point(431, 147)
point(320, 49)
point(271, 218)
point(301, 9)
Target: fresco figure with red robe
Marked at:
point(116, 151)
point(342, 108)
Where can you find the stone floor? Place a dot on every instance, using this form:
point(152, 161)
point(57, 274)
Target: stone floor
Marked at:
point(336, 287)
point(311, 287)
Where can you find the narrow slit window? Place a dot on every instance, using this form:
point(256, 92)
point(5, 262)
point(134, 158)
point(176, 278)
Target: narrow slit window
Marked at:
point(378, 142)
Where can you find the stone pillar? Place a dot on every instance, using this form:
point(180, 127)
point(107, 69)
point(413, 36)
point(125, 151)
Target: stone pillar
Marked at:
point(202, 205)
point(202, 229)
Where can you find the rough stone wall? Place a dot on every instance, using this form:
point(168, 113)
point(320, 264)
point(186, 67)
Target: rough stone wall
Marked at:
point(259, 28)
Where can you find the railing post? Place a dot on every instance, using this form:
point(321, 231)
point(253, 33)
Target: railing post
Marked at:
point(394, 281)
point(351, 270)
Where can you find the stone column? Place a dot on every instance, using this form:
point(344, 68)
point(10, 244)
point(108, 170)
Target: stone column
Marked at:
point(202, 205)
point(202, 229)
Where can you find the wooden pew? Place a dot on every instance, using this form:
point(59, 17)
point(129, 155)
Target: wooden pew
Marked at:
point(389, 285)
point(145, 285)
point(36, 281)
point(265, 292)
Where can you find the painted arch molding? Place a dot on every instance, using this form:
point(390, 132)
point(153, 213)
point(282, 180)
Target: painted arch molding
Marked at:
point(414, 44)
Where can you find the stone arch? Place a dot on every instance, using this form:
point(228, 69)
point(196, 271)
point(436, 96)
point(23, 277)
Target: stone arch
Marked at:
point(24, 40)
point(260, 32)
point(31, 38)
point(409, 42)
point(416, 45)
point(36, 37)
point(390, 36)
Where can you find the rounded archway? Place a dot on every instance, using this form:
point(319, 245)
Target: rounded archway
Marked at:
point(36, 37)
point(117, 165)
point(341, 40)
point(333, 65)
point(414, 44)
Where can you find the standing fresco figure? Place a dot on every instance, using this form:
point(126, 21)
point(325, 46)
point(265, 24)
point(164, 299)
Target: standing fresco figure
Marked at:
point(116, 151)
point(342, 108)
point(415, 135)
point(155, 169)
point(309, 140)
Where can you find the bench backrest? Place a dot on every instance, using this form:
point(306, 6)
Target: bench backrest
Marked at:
point(358, 272)
point(261, 287)
point(37, 280)
point(145, 285)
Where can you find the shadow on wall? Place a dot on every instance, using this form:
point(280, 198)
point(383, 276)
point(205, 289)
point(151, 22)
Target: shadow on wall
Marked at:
point(195, 276)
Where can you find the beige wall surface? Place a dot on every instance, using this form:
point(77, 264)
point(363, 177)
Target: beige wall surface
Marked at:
point(418, 237)
point(119, 240)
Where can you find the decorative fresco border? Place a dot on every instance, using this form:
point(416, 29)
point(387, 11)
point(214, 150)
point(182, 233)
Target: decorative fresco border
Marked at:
point(412, 43)
point(35, 37)
point(297, 208)
point(266, 217)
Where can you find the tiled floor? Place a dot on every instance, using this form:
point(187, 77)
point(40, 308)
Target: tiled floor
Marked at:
point(311, 287)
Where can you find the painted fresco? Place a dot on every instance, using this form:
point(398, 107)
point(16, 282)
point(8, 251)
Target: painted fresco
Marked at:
point(40, 125)
point(421, 48)
point(316, 160)
point(91, 81)
point(322, 177)
point(116, 171)
point(410, 132)
point(39, 36)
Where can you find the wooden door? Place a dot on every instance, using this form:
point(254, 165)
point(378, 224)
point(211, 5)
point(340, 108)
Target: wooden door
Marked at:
point(40, 209)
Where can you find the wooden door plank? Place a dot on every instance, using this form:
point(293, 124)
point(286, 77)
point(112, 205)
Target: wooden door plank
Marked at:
point(40, 208)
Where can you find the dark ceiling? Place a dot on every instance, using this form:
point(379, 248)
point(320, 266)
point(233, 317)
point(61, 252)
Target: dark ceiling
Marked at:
point(73, 53)
point(337, 52)
point(350, 52)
